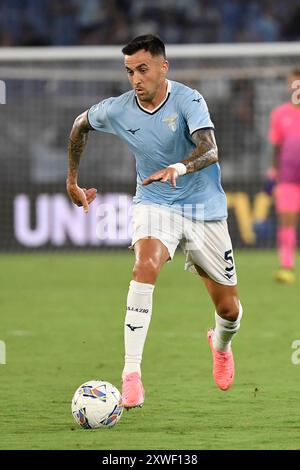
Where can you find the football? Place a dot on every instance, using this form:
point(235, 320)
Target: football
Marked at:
point(97, 404)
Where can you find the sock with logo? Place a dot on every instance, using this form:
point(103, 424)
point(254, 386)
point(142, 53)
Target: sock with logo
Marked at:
point(137, 320)
point(287, 243)
point(225, 330)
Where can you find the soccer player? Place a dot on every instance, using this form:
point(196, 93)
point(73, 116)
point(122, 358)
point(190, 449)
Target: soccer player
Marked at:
point(179, 200)
point(284, 135)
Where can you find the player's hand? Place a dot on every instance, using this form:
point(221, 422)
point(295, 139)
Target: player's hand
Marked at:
point(82, 197)
point(271, 180)
point(272, 174)
point(167, 174)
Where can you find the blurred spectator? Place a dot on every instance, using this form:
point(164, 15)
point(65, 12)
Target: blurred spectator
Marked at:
point(117, 31)
point(36, 17)
point(91, 20)
point(169, 30)
point(202, 22)
point(232, 14)
point(72, 22)
point(32, 37)
point(64, 24)
point(6, 39)
point(265, 27)
point(11, 18)
point(291, 30)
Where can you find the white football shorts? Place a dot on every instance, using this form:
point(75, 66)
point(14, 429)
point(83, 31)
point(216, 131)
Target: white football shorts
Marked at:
point(206, 244)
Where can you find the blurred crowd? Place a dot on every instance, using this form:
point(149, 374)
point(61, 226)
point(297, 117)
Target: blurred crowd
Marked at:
point(102, 22)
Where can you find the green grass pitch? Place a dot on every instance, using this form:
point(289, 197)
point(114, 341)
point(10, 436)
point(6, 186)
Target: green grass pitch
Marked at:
point(62, 323)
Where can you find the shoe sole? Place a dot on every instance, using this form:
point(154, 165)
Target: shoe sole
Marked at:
point(127, 408)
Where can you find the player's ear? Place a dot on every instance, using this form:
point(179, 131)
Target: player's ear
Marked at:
point(166, 65)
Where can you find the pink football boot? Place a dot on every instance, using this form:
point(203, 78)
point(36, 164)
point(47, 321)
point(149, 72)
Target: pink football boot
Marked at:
point(133, 394)
point(223, 365)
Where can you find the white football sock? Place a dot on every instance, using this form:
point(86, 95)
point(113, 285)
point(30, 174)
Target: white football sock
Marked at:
point(225, 330)
point(137, 320)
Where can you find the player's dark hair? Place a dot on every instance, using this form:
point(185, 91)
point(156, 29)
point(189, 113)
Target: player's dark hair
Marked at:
point(148, 42)
point(295, 72)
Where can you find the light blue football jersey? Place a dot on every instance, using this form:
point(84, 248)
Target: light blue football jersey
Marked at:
point(160, 138)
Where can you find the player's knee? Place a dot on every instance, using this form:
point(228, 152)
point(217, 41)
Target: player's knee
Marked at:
point(146, 270)
point(229, 309)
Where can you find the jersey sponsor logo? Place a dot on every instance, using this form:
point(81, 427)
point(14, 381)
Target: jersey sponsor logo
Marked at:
point(198, 100)
point(133, 328)
point(171, 121)
point(133, 131)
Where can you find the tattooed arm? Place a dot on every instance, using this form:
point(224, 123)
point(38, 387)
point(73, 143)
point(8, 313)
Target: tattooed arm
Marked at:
point(77, 142)
point(205, 154)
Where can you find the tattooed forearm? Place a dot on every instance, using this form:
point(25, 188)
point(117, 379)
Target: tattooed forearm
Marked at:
point(204, 154)
point(77, 143)
point(75, 150)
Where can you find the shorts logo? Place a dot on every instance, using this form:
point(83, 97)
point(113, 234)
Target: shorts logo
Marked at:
point(229, 269)
point(171, 121)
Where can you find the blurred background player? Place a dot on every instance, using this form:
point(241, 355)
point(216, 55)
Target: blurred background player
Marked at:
point(168, 128)
point(284, 135)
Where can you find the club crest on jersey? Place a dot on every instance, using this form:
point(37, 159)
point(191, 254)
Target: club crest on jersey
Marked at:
point(171, 121)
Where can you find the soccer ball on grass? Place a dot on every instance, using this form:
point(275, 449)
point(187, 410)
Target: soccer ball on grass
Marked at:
point(97, 404)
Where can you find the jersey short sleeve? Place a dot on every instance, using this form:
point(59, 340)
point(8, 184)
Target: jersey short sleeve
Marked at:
point(275, 133)
point(98, 116)
point(196, 112)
